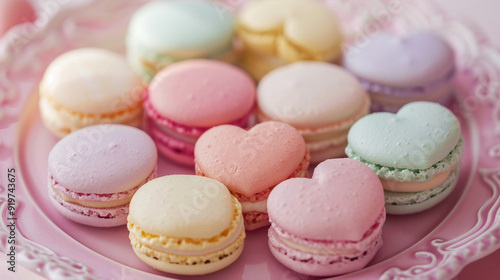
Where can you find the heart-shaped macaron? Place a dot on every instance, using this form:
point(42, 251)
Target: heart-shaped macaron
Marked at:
point(252, 161)
point(418, 136)
point(342, 200)
point(392, 60)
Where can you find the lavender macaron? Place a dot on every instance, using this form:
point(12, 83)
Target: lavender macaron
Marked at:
point(397, 70)
point(95, 171)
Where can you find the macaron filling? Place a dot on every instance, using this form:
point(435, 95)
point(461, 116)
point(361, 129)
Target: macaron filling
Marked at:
point(412, 198)
point(412, 175)
point(417, 186)
point(94, 200)
point(326, 251)
point(186, 130)
point(431, 87)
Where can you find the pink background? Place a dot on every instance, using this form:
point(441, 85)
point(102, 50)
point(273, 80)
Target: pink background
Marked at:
point(483, 14)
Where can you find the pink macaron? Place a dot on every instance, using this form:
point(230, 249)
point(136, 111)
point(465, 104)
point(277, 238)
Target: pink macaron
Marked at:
point(330, 224)
point(251, 163)
point(186, 99)
point(95, 171)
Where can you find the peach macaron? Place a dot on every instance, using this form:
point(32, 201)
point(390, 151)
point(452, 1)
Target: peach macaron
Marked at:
point(251, 163)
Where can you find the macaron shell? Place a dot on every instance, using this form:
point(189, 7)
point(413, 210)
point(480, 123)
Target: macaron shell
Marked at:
point(184, 206)
point(402, 61)
point(102, 159)
point(418, 136)
point(202, 93)
point(249, 162)
point(310, 94)
point(92, 81)
point(341, 201)
point(181, 27)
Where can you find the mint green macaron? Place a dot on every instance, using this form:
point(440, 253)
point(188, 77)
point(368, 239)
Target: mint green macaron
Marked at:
point(416, 153)
point(165, 31)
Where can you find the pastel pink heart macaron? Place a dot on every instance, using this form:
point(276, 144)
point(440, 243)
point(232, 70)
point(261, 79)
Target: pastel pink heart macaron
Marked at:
point(251, 163)
point(397, 70)
point(330, 224)
point(186, 99)
point(321, 100)
point(95, 171)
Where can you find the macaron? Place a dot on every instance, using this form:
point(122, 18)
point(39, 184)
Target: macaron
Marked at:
point(166, 31)
point(399, 69)
point(189, 97)
point(330, 224)
point(319, 99)
point(89, 86)
point(94, 172)
point(186, 224)
point(251, 163)
point(416, 154)
point(278, 32)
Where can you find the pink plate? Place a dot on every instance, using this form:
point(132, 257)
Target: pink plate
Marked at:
point(437, 243)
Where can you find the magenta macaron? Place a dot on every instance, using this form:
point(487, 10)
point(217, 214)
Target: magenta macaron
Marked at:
point(330, 224)
point(95, 171)
point(188, 98)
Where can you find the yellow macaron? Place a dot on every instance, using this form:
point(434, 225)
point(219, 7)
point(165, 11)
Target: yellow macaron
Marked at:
point(290, 30)
point(186, 224)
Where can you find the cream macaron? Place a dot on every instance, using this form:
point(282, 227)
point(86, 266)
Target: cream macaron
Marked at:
point(319, 99)
point(277, 32)
point(89, 86)
point(186, 224)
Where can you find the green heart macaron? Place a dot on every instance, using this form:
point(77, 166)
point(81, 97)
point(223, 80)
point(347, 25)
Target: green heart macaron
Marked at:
point(416, 154)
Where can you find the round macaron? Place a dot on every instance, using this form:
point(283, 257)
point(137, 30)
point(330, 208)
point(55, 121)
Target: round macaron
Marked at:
point(277, 32)
point(319, 99)
point(95, 171)
point(166, 31)
point(186, 224)
point(89, 86)
point(330, 224)
point(189, 97)
point(251, 163)
point(416, 154)
point(397, 70)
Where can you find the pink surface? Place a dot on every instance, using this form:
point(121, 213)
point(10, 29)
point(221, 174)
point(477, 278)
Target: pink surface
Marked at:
point(202, 93)
point(14, 12)
point(103, 159)
point(341, 202)
point(249, 162)
point(460, 230)
point(407, 61)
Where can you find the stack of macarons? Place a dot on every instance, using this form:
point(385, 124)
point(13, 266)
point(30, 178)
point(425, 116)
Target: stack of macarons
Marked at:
point(321, 100)
point(186, 99)
point(163, 32)
point(278, 32)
